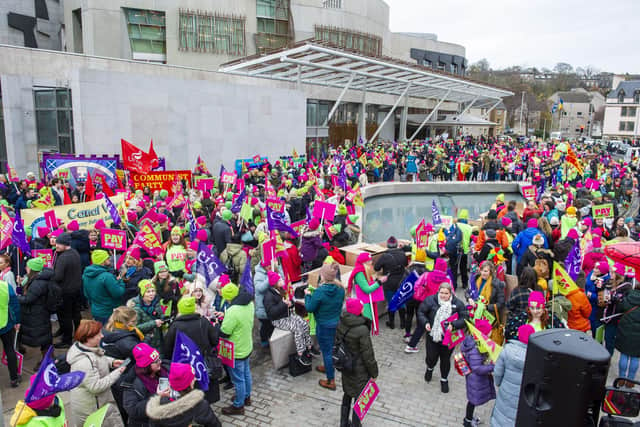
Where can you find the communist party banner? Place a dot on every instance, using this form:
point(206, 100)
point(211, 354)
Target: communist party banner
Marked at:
point(161, 180)
point(87, 214)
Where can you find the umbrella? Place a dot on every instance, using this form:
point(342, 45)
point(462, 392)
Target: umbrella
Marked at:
point(626, 253)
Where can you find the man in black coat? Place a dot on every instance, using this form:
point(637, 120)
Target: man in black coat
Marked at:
point(222, 231)
point(68, 274)
point(392, 263)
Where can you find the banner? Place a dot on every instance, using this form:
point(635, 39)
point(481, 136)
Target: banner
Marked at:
point(529, 192)
point(75, 168)
point(365, 400)
point(6, 228)
point(226, 352)
point(209, 267)
point(87, 214)
point(47, 380)
point(562, 282)
point(113, 239)
point(435, 213)
point(159, 180)
point(404, 292)
point(45, 254)
point(603, 211)
point(148, 240)
point(484, 343)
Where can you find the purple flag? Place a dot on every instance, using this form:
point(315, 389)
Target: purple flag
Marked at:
point(237, 205)
point(18, 236)
point(540, 189)
point(48, 381)
point(113, 211)
point(435, 213)
point(342, 178)
point(188, 217)
point(573, 261)
point(246, 281)
point(308, 214)
point(186, 351)
point(275, 221)
point(222, 170)
point(209, 266)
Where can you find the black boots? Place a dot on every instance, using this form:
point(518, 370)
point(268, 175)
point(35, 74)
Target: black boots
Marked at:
point(444, 386)
point(428, 375)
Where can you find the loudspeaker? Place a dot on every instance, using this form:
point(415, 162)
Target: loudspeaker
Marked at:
point(563, 382)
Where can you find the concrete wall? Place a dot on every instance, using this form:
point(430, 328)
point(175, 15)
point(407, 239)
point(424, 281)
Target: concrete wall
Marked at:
point(46, 31)
point(388, 188)
point(187, 112)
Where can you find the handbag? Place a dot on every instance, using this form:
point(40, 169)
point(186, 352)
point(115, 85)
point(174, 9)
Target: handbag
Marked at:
point(497, 333)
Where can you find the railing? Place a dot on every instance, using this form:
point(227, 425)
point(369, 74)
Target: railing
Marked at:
point(332, 4)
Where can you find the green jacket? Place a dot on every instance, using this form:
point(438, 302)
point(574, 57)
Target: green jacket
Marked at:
point(147, 315)
point(24, 416)
point(466, 235)
point(102, 289)
point(238, 325)
point(357, 339)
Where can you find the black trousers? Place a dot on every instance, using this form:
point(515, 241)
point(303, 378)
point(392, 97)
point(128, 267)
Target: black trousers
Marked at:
point(345, 410)
point(266, 329)
point(69, 315)
point(412, 311)
point(435, 352)
point(453, 265)
point(12, 360)
point(464, 272)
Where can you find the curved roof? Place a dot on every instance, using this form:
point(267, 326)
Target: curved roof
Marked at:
point(315, 64)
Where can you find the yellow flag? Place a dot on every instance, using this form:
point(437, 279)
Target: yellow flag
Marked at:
point(485, 344)
point(363, 159)
point(562, 282)
point(295, 154)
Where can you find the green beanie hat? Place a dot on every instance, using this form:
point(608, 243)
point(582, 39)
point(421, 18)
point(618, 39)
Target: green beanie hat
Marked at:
point(164, 194)
point(228, 205)
point(229, 196)
point(342, 209)
point(3, 202)
point(230, 291)
point(226, 215)
point(197, 205)
point(412, 231)
point(138, 193)
point(145, 285)
point(176, 230)
point(36, 264)
point(99, 256)
point(159, 266)
point(463, 214)
point(187, 305)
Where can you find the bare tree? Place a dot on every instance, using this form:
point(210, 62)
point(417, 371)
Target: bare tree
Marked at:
point(563, 68)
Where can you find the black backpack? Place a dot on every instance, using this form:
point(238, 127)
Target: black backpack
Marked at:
point(343, 358)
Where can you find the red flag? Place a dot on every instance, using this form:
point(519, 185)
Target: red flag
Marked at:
point(153, 156)
point(100, 179)
point(67, 199)
point(134, 158)
point(89, 189)
point(120, 186)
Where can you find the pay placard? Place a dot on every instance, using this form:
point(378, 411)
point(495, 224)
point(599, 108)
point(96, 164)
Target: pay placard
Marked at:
point(113, 239)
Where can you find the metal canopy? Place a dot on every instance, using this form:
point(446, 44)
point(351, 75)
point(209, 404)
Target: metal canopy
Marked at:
point(314, 64)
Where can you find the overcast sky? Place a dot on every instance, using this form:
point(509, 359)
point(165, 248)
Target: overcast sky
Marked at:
point(603, 34)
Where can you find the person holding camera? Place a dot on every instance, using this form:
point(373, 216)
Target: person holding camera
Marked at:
point(150, 316)
point(101, 287)
point(434, 313)
point(595, 288)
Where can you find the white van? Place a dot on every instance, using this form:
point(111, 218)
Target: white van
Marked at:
point(631, 153)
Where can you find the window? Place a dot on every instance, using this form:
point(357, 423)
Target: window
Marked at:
point(147, 34)
point(212, 33)
point(630, 126)
point(636, 97)
point(367, 44)
point(623, 112)
point(332, 4)
point(579, 113)
point(622, 126)
point(272, 24)
point(317, 112)
point(54, 119)
point(621, 96)
point(631, 111)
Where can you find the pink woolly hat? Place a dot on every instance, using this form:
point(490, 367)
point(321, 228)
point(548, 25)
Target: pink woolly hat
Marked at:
point(202, 235)
point(603, 266)
point(273, 277)
point(483, 326)
point(532, 223)
point(181, 375)
point(440, 264)
point(73, 226)
point(99, 225)
point(536, 298)
point(354, 306)
point(524, 332)
point(597, 242)
point(573, 234)
point(314, 224)
point(363, 257)
point(39, 404)
point(145, 355)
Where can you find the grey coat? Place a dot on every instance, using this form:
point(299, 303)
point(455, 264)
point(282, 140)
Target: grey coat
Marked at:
point(508, 377)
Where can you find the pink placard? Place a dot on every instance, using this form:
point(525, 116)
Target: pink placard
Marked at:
point(113, 239)
point(50, 220)
point(275, 205)
point(205, 184)
point(365, 400)
point(324, 210)
point(46, 255)
point(298, 225)
point(228, 178)
point(226, 353)
point(19, 356)
point(269, 251)
point(529, 192)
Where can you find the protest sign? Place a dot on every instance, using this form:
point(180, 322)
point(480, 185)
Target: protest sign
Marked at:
point(228, 178)
point(269, 251)
point(365, 400)
point(226, 353)
point(324, 210)
point(205, 184)
point(529, 192)
point(19, 357)
point(51, 220)
point(276, 204)
point(113, 239)
point(45, 254)
point(603, 211)
point(147, 239)
point(159, 180)
point(422, 235)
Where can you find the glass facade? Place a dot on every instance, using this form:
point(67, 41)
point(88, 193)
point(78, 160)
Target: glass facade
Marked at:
point(147, 34)
point(366, 44)
point(54, 119)
point(212, 33)
point(273, 26)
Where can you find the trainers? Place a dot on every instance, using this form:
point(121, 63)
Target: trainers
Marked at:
point(428, 375)
point(444, 386)
point(303, 360)
point(16, 383)
point(407, 339)
point(232, 410)
point(315, 352)
point(408, 349)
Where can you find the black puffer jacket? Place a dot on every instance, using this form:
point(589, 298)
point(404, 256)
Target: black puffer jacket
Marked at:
point(392, 263)
point(135, 397)
point(80, 242)
point(629, 327)
point(68, 271)
point(274, 305)
point(119, 343)
point(429, 307)
point(192, 408)
point(35, 327)
point(357, 338)
point(196, 327)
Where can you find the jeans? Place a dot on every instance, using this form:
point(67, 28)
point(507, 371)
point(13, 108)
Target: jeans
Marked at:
point(241, 378)
point(610, 332)
point(12, 360)
point(326, 335)
point(628, 366)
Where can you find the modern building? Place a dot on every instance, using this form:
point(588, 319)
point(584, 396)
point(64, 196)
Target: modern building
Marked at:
point(222, 79)
point(622, 111)
point(575, 118)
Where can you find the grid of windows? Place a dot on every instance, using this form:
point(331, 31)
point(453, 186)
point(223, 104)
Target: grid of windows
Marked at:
point(367, 44)
point(626, 126)
point(212, 33)
point(54, 119)
point(273, 27)
point(147, 34)
point(628, 112)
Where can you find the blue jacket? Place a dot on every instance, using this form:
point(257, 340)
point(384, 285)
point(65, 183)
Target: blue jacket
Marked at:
point(14, 311)
point(508, 377)
point(524, 239)
point(326, 304)
point(102, 289)
point(591, 291)
point(261, 285)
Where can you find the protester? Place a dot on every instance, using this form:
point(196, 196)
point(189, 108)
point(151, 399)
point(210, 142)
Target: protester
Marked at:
point(9, 326)
point(48, 411)
point(149, 314)
point(101, 287)
point(68, 275)
point(6, 274)
point(367, 289)
point(626, 341)
point(391, 265)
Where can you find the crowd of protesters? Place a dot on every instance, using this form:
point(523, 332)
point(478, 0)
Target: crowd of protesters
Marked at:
point(119, 316)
